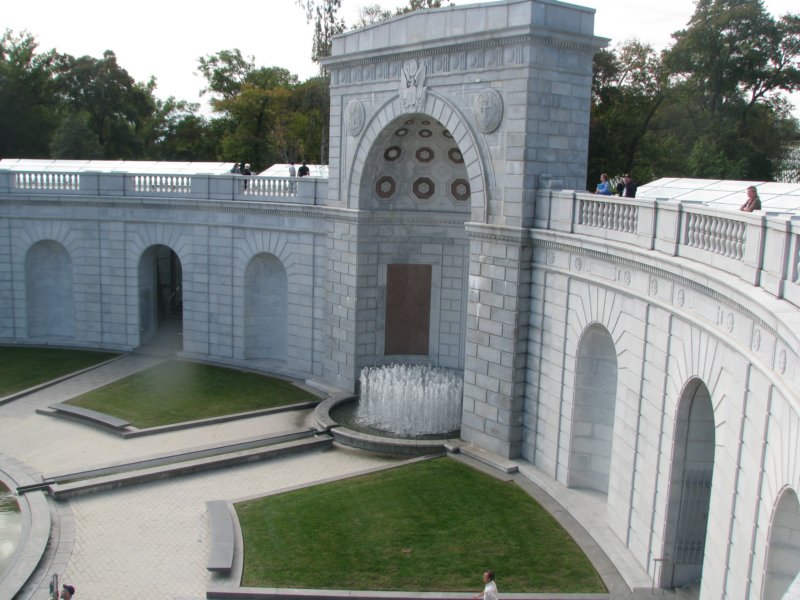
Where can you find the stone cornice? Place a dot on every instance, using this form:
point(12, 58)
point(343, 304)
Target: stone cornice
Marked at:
point(498, 233)
point(452, 58)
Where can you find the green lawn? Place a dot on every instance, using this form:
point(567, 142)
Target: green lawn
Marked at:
point(22, 368)
point(430, 526)
point(175, 391)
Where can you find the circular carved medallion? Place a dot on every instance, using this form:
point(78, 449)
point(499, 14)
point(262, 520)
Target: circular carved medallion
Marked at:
point(488, 110)
point(354, 117)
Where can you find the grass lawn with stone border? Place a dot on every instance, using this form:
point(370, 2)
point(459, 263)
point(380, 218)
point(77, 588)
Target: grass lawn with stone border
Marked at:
point(430, 526)
point(177, 391)
point(24, 367)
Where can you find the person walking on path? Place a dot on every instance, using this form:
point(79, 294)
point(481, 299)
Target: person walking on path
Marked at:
point(67, 592)
point(490, 588)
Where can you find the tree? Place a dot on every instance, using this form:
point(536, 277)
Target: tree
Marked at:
point(733, 50)
point(115, 107)
point(420, 5)
point(326, 24)
point(710, 106)
point(308, 138)
point(371, 14)
point(225, 72)
point(374, 13)
point(730, 67)
point(628, 88)
point(27, 100)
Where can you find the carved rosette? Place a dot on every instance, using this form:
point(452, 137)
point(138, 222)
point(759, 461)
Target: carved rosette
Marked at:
point(488, 110)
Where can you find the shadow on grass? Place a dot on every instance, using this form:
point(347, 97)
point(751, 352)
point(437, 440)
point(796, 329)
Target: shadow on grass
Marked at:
point(429, 526)
point(177, 391)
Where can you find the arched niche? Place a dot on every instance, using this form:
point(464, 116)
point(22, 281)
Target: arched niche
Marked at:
point(783, 553)
point(161, 298)
point(690, 488)
point(415, 164)
point(593, 411)
point(266, 308)
point(49, 291)
point(437, 110)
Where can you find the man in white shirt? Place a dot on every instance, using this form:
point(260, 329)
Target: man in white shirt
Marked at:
point(490, 588)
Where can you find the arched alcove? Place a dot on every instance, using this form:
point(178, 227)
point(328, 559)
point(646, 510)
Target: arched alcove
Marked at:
point(161, 298)
point(456, 135)
point(783, 553)
point(690, 488)
point(593, 412)
point(266, 308)
point(49, 291)
point(415, 187)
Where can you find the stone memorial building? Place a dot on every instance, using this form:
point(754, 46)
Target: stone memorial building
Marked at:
point(642, 351)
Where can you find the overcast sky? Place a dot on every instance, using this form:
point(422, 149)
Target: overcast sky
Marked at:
point(165, 38)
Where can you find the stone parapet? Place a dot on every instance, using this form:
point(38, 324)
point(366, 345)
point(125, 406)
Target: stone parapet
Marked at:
point(305, 190)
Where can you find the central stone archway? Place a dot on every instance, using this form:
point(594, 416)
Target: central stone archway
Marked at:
point(444, 219)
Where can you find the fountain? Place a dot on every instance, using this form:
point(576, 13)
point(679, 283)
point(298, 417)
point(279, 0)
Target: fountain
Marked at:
point(402, 409)
point(10, 527)
point(410, 399)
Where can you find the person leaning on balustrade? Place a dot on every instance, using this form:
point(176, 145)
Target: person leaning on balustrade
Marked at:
point(753, 202)
point(627, 187)
point(604, 187)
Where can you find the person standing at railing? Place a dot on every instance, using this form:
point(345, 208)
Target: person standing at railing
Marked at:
point(292, 170)
point(246, 171)
point(627, 187)
point(753, 202)
point(604, 187)
point(303, 171)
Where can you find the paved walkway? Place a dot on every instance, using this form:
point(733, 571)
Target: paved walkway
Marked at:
point(151, 540)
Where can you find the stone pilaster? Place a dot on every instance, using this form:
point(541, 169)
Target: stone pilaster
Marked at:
point(497, 329)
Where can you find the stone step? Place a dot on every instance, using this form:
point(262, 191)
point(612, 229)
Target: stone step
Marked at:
point(138, 476)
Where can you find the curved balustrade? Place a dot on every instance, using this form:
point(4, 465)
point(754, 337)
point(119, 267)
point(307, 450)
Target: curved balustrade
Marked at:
point(161, 184)
point(761, 249)
point(716, 234)
point(305, 190)
point(272, 187)
point(47, 181)
point(617, 216)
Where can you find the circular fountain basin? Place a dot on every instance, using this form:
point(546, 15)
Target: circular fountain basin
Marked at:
point(10, 527)
point(350, 433)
